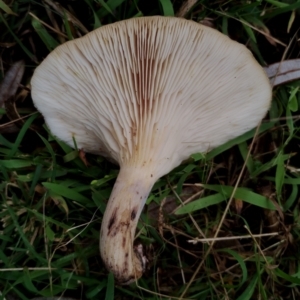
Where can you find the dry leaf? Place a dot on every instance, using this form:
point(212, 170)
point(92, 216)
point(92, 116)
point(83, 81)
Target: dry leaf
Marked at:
point(83, 157)
point(283, 72)
point(8, 95)
point(11, 82)
point(238, 205)
point(268, 36)
point(40, 189)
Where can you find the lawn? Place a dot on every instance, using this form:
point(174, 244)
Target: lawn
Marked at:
point(222, 225)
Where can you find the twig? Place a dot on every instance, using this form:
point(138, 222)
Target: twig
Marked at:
point(227, 238)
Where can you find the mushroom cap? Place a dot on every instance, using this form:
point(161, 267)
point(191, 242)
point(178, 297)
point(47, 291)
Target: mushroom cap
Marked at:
point(151, 90)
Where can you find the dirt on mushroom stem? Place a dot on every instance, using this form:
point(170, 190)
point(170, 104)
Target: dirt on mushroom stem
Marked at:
point(122, 213)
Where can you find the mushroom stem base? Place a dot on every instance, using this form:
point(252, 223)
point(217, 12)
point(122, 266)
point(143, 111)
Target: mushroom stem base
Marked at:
point(119, 223)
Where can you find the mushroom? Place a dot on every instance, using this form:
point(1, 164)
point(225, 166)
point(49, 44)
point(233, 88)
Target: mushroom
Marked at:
point(147, 93)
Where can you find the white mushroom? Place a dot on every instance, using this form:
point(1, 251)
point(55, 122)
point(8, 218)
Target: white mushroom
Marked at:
point(147, 93)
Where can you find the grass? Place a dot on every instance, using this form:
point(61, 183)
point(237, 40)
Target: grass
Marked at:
point(223, 225)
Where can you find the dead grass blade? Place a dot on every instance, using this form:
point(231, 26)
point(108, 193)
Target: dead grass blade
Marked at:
point(48, 26)
point(185, 7)
point(63, 12)
point(264, 32)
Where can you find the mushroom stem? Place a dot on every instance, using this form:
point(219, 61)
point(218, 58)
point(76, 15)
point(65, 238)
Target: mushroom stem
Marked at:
point(122, 213)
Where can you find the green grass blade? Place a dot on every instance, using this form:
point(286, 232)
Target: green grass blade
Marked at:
point(67, 149)
point(6, 8)
point(97, 22)
point(45, 218)
point(246, 136)
point(16, 163)
point(250, 32)
point(112, 5)
point(110, 290)
point(65, 192)
point(24, 48)
point(26, 279)
point(106, 7)
point(243, 194)
point(21, 134)
point(249, 291)
point(277, 3)
point(49, 148)
point(285, 180)
point(35, 178)
point(5, 142)
point(292, 197)
point(268, 165)
point(19, 229)
point(241, 263)
point(201, 203)
point(287, 277)
point(167, 7)
point(91, 294)
point(47, 39)
point(68, 27)
point(279, 175)
point(281, 10)
point(293, 101)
